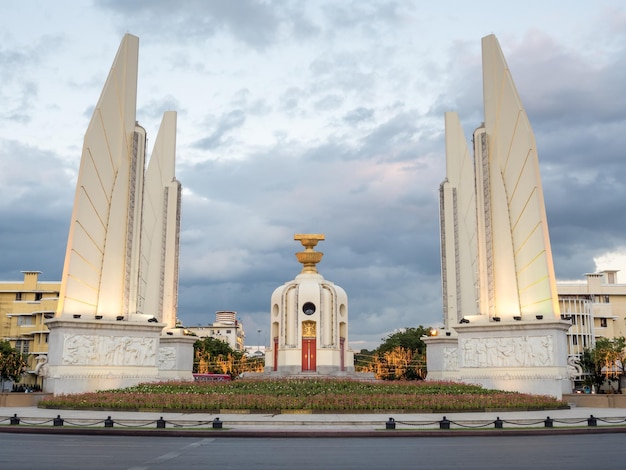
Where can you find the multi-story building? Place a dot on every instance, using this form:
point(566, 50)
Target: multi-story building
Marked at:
point(24, 306)
point(597, 308)
point(226, 327)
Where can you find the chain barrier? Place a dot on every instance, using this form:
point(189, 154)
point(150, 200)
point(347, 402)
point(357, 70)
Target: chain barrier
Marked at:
point(390, 424)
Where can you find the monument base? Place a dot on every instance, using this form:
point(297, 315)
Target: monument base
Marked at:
point(519, 356)
point(328, 362)
point(91, 355)
point(176, 356)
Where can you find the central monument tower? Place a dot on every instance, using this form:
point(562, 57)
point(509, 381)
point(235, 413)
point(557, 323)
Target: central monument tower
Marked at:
point(309, 321)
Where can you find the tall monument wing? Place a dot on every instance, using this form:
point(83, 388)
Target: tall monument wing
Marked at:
point(459, 245)
point(512, 338)
point(161, 228)
point(522, 273)
point(96, 268)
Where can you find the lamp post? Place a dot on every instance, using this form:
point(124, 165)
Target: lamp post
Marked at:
point(258, 347)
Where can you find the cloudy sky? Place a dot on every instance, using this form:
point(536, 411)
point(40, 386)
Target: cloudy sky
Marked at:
point(319, 116)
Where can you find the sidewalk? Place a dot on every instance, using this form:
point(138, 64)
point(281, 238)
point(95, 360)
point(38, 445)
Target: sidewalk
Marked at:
point(35, 420)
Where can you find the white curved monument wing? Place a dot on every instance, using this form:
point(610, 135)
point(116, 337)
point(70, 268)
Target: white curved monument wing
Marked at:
point(161, 228)
point(522, 272)
point(458, 227)
point(95, 274)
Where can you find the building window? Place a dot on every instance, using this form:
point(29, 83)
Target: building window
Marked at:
point(38, 296)
point(228, 332)
point(575, 340)
point(22, 346)
point(607, 299)
point(18, 296)
point(603, 322)
point(24, 320)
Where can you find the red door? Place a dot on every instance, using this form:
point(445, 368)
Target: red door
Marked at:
point(308, 354)
point(342, 351)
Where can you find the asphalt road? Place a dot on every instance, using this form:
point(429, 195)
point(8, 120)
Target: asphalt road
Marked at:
point(35, 451)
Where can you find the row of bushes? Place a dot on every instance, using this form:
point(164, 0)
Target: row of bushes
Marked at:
point(315, 395)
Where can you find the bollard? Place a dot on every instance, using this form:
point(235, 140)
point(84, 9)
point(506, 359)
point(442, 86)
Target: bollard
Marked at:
point(58, 421)
point(444, 423)
point(548, 423)
point(15, 419)
point(108, 423)
point(217, 424)
point(160, 423)
point(591, 421)
point(498, 423)
point(391, 424)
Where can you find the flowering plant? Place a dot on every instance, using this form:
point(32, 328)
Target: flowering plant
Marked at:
point(321, 395)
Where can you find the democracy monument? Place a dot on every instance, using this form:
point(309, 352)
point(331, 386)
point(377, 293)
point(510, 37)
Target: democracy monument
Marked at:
point(502, 325)
point(116, 316)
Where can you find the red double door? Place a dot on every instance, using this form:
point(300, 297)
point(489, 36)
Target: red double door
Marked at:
point(308, 354)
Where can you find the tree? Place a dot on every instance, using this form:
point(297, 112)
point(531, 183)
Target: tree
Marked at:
point(402, 355)
point(592, 369)
point(407, 338)
point(12, 363)
point(605, 362)
point(214, 356)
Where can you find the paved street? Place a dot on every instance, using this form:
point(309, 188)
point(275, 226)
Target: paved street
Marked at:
point(144, 453)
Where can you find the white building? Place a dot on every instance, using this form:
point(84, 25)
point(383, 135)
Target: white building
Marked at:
point(226, 328)
point(595, 307)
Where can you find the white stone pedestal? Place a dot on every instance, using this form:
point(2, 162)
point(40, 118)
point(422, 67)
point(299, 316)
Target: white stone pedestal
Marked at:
point(176, 357)
point(90, 355)
point(521, 356)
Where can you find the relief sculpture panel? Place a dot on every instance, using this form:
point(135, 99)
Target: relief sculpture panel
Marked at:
point(95, 350)
point(524, 351)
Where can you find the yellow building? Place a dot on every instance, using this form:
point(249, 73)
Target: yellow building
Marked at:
point(596, 308)
point(24, 306)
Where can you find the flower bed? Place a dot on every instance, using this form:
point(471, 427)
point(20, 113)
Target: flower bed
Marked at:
point(315, 395)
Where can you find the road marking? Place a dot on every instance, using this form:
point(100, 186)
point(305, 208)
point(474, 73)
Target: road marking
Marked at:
point(172, 455)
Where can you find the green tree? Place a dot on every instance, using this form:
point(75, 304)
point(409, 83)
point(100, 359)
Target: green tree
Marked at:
point(402, 355)
point(605, 362)
point(12, 363)
point(407, 338)
point(592, 369)
point(214, 356)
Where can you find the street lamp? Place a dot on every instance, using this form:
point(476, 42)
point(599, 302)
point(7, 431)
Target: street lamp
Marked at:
point(258, 345)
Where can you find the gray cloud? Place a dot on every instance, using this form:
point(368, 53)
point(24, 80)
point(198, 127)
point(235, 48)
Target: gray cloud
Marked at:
point(323, 117)
point(257, 24)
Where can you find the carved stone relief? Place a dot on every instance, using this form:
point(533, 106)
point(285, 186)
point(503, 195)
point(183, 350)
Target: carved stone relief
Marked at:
point(450, 359)
point(167, 357)
point(95, 350)
point(524, 351)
